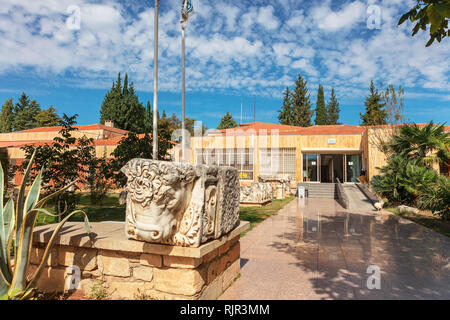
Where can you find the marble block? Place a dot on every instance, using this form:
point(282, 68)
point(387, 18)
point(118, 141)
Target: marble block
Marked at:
point(178, 203)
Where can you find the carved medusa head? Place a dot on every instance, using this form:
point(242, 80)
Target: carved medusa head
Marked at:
point(162, 190)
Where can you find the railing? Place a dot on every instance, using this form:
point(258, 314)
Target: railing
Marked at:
point(342, 196)
point(369, 194)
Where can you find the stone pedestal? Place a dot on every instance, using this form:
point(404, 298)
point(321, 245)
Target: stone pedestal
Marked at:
point(130, 269)
point(279, 191)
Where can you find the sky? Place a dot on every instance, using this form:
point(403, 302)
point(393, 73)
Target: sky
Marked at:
point(67, 53)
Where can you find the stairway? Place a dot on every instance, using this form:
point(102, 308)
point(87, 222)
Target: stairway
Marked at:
point(320, 190)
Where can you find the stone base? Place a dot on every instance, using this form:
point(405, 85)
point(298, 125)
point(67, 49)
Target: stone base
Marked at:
point(129, 269)
point(255, 204)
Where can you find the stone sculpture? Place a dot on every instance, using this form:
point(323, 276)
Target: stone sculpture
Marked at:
point(257, 193)
point(281, 184)
point(403, 208)
point(180, 203)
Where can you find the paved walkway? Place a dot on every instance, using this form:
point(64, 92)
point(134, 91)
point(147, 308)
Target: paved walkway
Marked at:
point(315, 249)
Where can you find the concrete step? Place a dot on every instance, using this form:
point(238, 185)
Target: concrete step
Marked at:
point(321, 196)
point(320, 190)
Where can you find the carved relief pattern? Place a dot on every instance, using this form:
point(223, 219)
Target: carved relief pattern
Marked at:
point(180, 203)
point(258, 192)
point(229, 216)
point(189, 232)
point(278, 181)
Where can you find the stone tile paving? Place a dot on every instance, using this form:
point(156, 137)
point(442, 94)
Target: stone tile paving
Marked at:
point(315, 249)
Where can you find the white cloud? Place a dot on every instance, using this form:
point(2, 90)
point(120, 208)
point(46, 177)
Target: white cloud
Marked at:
point(231, 46)
point(267, 19)
point(296, 20)
point(230, 13)
point(327, 19)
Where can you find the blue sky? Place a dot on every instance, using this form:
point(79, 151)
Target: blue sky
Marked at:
point(235, 50)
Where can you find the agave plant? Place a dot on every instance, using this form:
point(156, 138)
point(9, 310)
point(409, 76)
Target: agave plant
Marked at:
point(17, 223)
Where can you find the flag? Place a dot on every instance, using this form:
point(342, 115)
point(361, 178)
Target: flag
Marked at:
point(187, 10)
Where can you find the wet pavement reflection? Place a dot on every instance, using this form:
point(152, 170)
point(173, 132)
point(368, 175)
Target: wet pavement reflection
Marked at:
point(315, 249)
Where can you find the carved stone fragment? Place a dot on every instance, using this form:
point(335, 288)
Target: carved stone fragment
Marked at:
point(257, 193)
point(180, 203)
point(281, 184)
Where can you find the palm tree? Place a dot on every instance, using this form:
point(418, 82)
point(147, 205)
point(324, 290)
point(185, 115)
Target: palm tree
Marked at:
point(429, 144)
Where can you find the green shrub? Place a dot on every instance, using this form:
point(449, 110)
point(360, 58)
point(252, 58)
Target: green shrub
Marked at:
point(403, 181)
point(17, 221)
point(436, 198)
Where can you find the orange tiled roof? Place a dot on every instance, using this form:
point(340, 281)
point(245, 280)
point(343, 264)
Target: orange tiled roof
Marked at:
point(80, 128)
point(273, 128)
point(99, 142)
point(21, 143)
point(36, 143)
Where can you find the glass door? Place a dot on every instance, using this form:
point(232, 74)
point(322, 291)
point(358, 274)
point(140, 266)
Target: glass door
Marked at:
point(353, 167)
point(310, 166)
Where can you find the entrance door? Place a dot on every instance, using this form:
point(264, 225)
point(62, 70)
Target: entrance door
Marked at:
point(331, 167)
point(354, 166)
point(310, 167)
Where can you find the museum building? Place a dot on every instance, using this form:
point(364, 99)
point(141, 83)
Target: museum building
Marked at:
point(316, 154)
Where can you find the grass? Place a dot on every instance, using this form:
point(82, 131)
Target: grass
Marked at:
point(256, 215)
point(110, 210)
point(426, 219)
point(99, 291)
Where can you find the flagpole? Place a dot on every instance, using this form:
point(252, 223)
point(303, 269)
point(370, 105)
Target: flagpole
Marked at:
point(241, 111)
point(155, 84)
point(186, 11)
point(183, 96)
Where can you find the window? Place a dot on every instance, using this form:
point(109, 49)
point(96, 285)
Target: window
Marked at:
point(242, 159)
point(278, 161)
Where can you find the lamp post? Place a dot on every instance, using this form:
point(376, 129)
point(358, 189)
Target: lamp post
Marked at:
point(155, 84)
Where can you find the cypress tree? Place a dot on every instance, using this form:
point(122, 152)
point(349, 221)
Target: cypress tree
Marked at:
point(121, 105)
point(111, 103)
point(321, 112)
point(148, 118)
point(132, 111)
point(285, 114)
point(227, 122)
point(333, 109)
point(301, 105)
point(125, 85)
point(375, 114)
point(6, 116)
